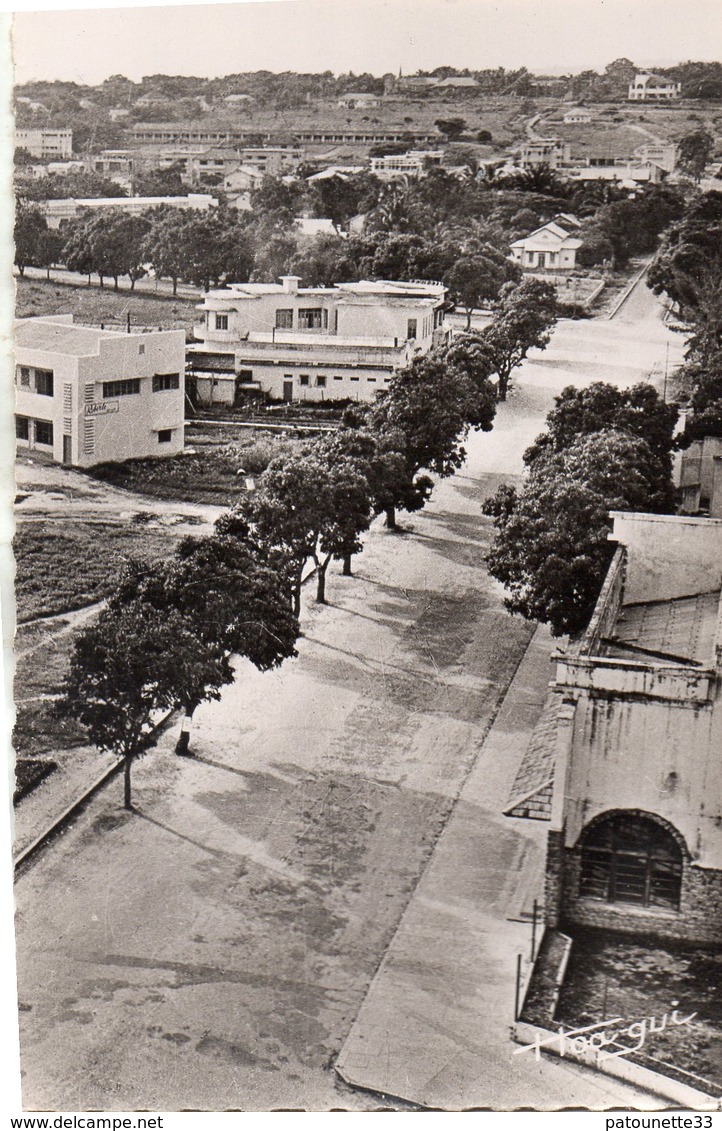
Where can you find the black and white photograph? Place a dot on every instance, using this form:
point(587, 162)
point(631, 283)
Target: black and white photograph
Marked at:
point(364, 368)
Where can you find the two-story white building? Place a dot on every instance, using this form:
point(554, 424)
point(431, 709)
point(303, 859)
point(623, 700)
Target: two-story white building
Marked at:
point(45, 142)
point(648, 87)
point(312, 343)
point(85, 396)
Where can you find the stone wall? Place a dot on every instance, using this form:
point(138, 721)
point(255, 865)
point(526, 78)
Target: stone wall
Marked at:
point(699, 918)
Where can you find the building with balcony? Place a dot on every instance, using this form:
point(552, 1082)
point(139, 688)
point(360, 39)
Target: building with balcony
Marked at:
point(312, 343)
point(45, 142)
point(700, 477)
point(85, 396)
point(648, 87)
point(543, 151)
point(415, 163)
point(625, 763)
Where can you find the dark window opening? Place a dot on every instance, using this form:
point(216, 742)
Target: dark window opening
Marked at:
point(411, 328)
point(163, 381)
point(304, 379)
point(321, 382)
point(628, 859)
point(44, 382)
point(43, 432)
point(22, 427)
point(284, 319)
point(221, 321)
point(127, 388)
point(165, 435)
point(310, 318)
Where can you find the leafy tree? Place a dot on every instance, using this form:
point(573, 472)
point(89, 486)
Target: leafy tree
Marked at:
point(165, 245)
point(688, 268)
point(218, 250)
point(524, 318)
point(638, 411)
point(706, 400)
point(78, 186)
point(452, 128)
point(426, 410)
point(126, 668)
point(478, 276)
point(277, 200)
point(235, 603)
point(694, 151)
point(551, 549)
point(308, 505)
point(324, 260)
point(162, 182)
point(468, 355)
point(29, 232)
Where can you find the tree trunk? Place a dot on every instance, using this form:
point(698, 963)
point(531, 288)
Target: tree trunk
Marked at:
point(297, 598)
point(321, 580)
point(128, 804)
point(468, 317)
point(347, 565)
point(21, 269)
point(132, 282)
point(47, 273)
point(175, 286)
point(102, 280)
point(391, 518)
point(503, 385)
point(90, 279)
point(184, 738)
point(115, 282)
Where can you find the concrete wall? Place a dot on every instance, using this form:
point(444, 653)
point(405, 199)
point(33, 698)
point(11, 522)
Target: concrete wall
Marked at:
point(652, 756)
point(669, 555)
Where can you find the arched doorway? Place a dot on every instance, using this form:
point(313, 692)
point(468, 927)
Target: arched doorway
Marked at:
point(630, 858)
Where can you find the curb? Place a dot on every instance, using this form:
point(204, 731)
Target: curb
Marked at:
point(627, 291)
point(79, 804)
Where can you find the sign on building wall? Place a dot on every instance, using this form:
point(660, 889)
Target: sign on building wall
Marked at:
point(101, 408)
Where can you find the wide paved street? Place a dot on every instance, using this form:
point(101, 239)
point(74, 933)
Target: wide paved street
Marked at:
point(214, 948)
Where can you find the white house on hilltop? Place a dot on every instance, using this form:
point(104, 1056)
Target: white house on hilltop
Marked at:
point(553, 247)
point(85, 396)
point(648, 87)
point(312, 343)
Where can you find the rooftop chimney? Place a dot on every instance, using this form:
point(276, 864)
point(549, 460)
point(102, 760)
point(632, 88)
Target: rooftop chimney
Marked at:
point(290, 283)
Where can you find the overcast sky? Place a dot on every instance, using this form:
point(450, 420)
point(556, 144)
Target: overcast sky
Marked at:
point(90, 44)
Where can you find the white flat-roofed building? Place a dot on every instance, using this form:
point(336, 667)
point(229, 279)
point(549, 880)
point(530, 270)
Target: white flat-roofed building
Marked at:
point(56, 212)
point(313, 343)
point(412, 164)
point(86, 396)
point(45, 142)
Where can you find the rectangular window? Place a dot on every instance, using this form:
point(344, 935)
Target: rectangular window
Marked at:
point(372, 380)
point(22, 427)
point(24, 376)
point(127, 388)
point(44, 382)
point(43, 432)
point(165, 435)
point(309, 318)
point(163, 381)
point(338, 378)
point(304, 379)
point(411, 328)
point(284, 319)
point(221, 321)
point(321, 382)
point(141, 348)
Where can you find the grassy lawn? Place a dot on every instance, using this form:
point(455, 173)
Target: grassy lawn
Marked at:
point(63, 566)
point(209, 473)
point(614, 975)
point(35, 297)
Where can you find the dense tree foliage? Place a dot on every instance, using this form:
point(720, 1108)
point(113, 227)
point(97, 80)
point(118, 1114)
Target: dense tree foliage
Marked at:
point(524, 318)
point(551, 549)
